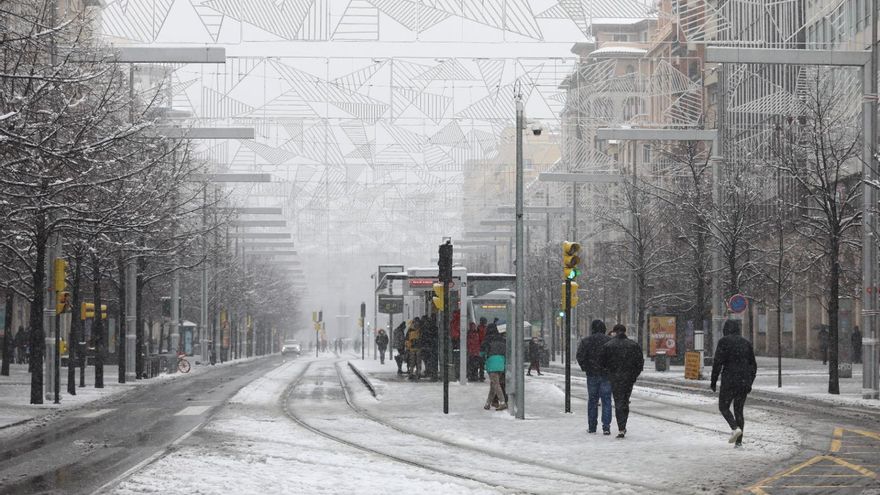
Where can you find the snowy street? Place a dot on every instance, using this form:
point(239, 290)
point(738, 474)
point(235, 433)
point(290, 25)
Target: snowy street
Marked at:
point(311, 426)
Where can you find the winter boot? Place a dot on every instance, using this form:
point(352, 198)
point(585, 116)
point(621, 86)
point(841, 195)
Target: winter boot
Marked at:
point(735, 436)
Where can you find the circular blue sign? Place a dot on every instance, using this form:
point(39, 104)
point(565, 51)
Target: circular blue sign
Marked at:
point(737, 303)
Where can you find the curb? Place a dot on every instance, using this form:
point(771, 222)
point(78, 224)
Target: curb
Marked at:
point(364, 378)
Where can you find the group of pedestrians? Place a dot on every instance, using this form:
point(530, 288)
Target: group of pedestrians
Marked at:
point(612, 364)
point(416, 346)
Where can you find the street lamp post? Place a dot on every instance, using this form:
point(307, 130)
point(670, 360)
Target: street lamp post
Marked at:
point(519, 330)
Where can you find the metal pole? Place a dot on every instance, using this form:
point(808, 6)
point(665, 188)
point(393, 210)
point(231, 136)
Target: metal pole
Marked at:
point(444, 346)
point(717, 305)
point(520, 266)
point(130, 318)
point(57, 376)
point(49, 318)
point(870, 381)
point(567, 345)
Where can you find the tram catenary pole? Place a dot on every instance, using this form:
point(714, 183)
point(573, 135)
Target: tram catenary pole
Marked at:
point(567, 345)
point(519, 314)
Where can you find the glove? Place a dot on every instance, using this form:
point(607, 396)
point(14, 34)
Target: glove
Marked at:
point(712, 386)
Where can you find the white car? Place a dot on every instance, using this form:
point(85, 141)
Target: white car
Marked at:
point(291, 347)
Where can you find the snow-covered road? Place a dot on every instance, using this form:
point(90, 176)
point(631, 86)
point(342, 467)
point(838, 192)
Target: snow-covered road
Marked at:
point(402, 442)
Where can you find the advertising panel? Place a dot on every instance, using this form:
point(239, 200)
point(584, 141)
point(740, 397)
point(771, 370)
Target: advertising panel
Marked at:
point(661, 331)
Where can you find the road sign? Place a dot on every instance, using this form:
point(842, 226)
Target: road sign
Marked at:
point(390, 305)
point(737, 303)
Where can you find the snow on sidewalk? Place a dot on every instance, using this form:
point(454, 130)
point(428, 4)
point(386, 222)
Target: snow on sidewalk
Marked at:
point(803, 379)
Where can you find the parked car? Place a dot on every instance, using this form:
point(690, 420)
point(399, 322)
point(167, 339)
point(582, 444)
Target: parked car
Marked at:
point(291, 347)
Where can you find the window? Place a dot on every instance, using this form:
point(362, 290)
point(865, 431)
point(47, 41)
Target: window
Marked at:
point(620, 37)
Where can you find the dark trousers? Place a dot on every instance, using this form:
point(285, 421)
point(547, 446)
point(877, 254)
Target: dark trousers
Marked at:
point(399, 359)
point(473, 365)
point(738, 399)
point(621, 393)
point(536, 364)
point(857, 354)
point(382, 355)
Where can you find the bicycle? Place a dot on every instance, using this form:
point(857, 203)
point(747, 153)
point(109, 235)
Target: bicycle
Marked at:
point(182, 364)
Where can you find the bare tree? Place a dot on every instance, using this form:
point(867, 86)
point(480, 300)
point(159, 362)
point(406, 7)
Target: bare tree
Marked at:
point(824, 159)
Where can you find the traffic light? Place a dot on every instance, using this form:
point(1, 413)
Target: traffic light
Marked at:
point(438, 296)
point(574, 296)
point(444, 263)
point(570, 259)
point(63, 302)
point(60, 274)
point(87, 310)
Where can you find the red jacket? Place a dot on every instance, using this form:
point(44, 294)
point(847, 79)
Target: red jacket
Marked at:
point(455, 326)
point(473, 341)
point(482, 331)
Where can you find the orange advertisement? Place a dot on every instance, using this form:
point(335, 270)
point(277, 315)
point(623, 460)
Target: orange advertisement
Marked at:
point(661, 335)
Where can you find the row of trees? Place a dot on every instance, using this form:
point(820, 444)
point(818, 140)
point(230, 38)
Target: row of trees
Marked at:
point(787, 211)
point(85, 177)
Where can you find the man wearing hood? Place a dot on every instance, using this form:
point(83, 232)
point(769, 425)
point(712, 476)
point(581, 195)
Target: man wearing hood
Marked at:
point(589, 353)
point(623, 361)
point(734, 361)
point(494, 351)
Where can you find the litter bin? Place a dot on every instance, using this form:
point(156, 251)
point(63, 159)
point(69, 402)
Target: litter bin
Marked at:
point(661, 361)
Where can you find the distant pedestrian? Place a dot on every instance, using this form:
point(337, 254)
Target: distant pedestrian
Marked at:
point(622, 360)
point(21, 346)
point(734, 361)
point(589, 357)
point(856, 345)
point(399, 342)
point(382, 344)
point(475, 362)
point(823, 343)
point(494, 351)
point(534, 356)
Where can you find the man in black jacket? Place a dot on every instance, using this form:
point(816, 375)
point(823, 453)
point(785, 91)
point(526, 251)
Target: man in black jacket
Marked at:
point(622, 360)
point(734, 360)
point(589, 353)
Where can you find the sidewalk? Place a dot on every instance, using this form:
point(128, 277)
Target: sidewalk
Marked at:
point(17, 413)
point(804, 379)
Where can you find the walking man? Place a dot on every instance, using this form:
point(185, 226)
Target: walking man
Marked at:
point(856, 345)
point(534, 356)
point(589, 354)
point(622, 361)
point(382, 344)
point(823, 343)
point(495, 351)
point(734, 361)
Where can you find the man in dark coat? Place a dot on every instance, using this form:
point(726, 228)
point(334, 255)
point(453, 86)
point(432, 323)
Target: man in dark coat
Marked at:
point(382, 344)
point(856, 345)
point(589, 354)
point(399, 342)
point(823, 343)
point(430, 341)
point(734, 361)
point(534, 356)
point(622, 361)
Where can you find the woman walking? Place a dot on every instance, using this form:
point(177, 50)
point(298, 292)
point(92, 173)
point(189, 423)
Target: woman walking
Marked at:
point(493, 350)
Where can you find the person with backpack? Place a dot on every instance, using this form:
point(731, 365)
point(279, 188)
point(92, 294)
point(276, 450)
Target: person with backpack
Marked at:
point(589, 354)
point(734, 361)
point(622, 361)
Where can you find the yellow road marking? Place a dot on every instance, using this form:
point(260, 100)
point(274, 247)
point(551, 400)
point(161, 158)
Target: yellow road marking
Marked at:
point(869, 434)
point(836, 443)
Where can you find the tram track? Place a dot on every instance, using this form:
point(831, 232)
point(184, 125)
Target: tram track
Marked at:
point(536, 469)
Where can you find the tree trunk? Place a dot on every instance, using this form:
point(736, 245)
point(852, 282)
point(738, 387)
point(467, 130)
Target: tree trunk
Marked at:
point(37, 336)
point(98, 325)
point(75, 325)
point(7, 328)
point(140, 345)
point(833, 306)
